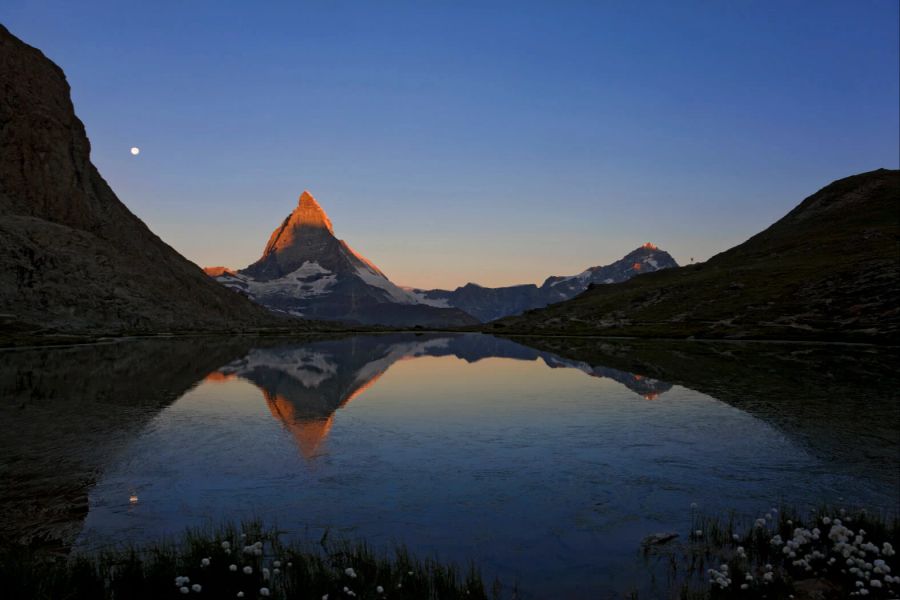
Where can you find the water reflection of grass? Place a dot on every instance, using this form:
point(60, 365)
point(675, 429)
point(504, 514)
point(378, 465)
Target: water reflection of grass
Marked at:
point(824, 554)
point(246, 561)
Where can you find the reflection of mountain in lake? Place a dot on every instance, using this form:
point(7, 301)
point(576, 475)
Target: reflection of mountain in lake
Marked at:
point(839, 401)
point(68, 412)
point(304, 384)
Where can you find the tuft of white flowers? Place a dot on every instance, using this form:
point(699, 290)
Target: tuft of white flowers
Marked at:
point(832, 545)
point(349, 572)
point(720, 577)
point(254, 549)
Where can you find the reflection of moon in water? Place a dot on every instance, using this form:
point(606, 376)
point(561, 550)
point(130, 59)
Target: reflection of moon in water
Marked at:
point(135, 150)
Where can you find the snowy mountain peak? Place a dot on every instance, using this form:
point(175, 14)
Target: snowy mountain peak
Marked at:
point(306, 271)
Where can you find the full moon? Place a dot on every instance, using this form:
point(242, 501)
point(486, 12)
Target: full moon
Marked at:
point(135, 151)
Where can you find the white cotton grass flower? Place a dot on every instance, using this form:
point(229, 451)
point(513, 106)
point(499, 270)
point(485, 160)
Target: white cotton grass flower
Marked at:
point(379, 590)
point(226, 545)
point(248, 570)
point(276, 564)
point(276, 571)
point(232, 568)
point(240, 594)
point(181, 580)
point(265, 573)
point(325, 597)
point(264, 592)
point(204, 562)
point(197, 588)
point(699, 533)
point(349, 572)
point(184, 590)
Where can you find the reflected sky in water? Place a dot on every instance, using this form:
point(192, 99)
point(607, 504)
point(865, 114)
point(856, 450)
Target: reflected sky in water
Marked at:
point(543, 470)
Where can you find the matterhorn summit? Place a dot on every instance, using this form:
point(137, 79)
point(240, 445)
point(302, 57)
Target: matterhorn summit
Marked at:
point(306, 271)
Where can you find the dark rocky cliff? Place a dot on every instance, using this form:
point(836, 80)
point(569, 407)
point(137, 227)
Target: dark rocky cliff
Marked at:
point(72, 256)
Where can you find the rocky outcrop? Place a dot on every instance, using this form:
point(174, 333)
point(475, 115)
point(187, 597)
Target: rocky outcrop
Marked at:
point(72, 256)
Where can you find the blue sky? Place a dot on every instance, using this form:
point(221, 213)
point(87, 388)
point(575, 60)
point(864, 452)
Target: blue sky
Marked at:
point(494, 142)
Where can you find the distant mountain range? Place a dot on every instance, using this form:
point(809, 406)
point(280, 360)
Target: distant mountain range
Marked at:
point(487, 304)
point(828, 270)
point(72, 257)
point(305, 271)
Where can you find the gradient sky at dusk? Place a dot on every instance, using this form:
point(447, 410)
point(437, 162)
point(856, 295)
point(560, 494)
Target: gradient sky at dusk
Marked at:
point(475, 141)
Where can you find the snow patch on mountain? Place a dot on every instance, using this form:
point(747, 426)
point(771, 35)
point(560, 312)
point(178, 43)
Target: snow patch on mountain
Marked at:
point(422, 298)
point(380, 281)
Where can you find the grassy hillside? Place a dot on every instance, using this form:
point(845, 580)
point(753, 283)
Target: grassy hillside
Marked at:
point(828, 270)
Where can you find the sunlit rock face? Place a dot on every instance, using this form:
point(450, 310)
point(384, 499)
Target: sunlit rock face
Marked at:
point(306, 271)
point(72, 256)
point(487, 304)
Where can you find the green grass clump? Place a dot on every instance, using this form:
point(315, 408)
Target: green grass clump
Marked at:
point(246, 561)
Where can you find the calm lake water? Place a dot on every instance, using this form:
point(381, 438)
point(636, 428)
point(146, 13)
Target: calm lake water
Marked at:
point(546, 467)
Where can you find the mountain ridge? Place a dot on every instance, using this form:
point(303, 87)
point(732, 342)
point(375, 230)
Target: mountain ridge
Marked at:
point(828, 270)
point(488, 304)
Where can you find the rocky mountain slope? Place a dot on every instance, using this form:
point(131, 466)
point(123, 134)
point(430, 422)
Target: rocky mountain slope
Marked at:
point(72, 256)
point(828, 270)
point(306, 271)
point(488, 304)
